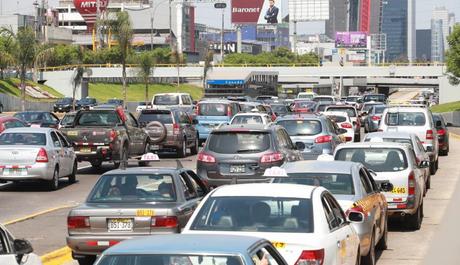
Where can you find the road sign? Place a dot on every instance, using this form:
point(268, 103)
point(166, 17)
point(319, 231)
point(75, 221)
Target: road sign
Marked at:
point(220, 5)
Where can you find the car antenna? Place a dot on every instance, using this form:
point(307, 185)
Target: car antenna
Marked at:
point(179, 164)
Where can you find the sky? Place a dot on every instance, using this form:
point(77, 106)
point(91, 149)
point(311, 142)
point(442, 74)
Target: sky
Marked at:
point(207, 15)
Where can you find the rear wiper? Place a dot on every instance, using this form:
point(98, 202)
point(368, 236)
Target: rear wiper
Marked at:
point(248, 150)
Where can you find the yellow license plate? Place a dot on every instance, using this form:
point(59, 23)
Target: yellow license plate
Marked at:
point(85, 150)
point(145, 212)
point(278, 244)
point(398, 190)
point(72, 133)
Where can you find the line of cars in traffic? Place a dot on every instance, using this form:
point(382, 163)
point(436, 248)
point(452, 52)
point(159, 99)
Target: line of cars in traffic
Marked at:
point(312, 212)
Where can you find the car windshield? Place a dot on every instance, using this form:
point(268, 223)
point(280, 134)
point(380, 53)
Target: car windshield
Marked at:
point(350, 111)
point(301, 127)
point(279, 109)
point(377, 159)
point(21, 138)
point(379, 98)
point(98, 118)
point(255, 214)
point(337, 118)
point(165, 259)
point(352, 99)
point(367, 107)
point(246, 119)
point(163, 117)
point(64, 101)
point(405, 119)
point(133, 188)
point(239, 142)
point(68, 119)
point(338, 184)
point(166, 100)
point(323, 99)
point(88, 101)
point(212, 109)
point(30, 116)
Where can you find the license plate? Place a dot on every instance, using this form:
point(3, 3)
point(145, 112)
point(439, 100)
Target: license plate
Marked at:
point(120, 225)
point(85, 150)
point(237, 169)
point(399, 190)
point(15, 171)
point(155, 147)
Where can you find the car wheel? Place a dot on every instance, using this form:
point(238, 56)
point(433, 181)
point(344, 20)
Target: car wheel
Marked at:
point(53, 184)
point(366, 130)
point(1, 108)
point(73, 175)
point(146, 150)
point(357, 138)
point(195, 147)
point(369, 259)
point(383, 242)
point(443, 153)
point(415, 220)
point(182, 151)
point(436, 164)
point(428, 183)
point(432, 168)
point(96, 163)
point(87, 260)
point(123, 158)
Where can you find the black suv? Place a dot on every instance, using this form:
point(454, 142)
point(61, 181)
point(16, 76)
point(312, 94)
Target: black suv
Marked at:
point(241, 153)
point(63, 105)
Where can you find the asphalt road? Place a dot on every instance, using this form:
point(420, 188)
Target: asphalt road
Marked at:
point(47, 232)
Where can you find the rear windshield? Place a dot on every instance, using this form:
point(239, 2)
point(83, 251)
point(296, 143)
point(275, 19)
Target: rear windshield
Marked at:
point(279, 108)
point(30, 116)
point(163, 259)
point(379, 98)
point(379, 109)
point(133, 188)
point(305, 104)
point(352, 99)
point(310, 96)
point(338, 184)
point(212, 109)
point(255, 214)
point(377, 159)
point(350, 111)
point(405, 119)
point(166, 100)
point(337, 119)
point(239, 142)
point(301, 127)
point(87, 101)
point(20, 138)
point(247, 120)
point(321, 107)
point(164, 118)
point(323, 99)
point(247, 107)
point(68, 119)
point(114, 101)
point(367, 107)
point(98, 118)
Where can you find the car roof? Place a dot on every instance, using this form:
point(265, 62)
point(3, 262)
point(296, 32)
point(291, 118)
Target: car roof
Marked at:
point(341, 107)
point(306, 166)
point(185, 244)
point(406, 109)
point(32, 111)
point(307, 116)
point(336, 113)
point(397, 135)
point(265, 190)
point(171, 94)
point(373, 144)
point(216, 101)
point(251, 114)
point(142, 170)
point(29, 130)
point(243, 127)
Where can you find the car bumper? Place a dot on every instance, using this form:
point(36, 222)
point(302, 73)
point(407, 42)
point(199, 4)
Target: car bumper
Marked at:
point(38, 171)
point(104, 153)
point(373, 126)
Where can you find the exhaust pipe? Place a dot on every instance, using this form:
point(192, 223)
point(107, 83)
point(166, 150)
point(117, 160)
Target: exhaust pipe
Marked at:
point(403, 214)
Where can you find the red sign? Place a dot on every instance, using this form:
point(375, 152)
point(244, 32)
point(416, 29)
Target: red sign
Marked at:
point(244, 11)
point(365, 16)
point(88, 10)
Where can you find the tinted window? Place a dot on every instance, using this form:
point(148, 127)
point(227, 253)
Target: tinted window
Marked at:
point(350, 111)
point(23, 139)
point(247, 107)
point(133, 188)
point(379, 109)
point(377, 159)
point(166, 100)
point(405, 119)
point(55, 139)
point(98, 118)
point(321, 108)
point(379, 98)
point(132, 259)
point(239, 142)
point(68, 119)
point(247, 120)
point(337, 119)
point(301, 127)
point(352, 99)
point(305, 104)
point(279, 109)
point(30, 116)
point(64, 101)
point(367, 107)
point(255, 214)
point(338, 184)
point(164, 118)
point(212, 109)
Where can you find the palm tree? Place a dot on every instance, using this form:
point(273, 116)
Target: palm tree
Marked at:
point(146, 63)
point(6, 53)
point(208, 59)
point(123, 33)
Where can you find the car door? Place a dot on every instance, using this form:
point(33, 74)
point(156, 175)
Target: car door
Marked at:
point(380, 202)
point(266, 254)
point(191, 199)
point(58, 153)
point(136, 135)
point(186, 126)
point(370, 202)
point(7, 255)
point(69, 154)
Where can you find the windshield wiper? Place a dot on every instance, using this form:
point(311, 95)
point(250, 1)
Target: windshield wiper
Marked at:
point(248, 150)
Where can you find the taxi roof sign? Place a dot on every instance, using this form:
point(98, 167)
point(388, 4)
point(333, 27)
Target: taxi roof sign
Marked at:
point(376, 140)
point(275, 172)
point(150, 157)
point(325, 157)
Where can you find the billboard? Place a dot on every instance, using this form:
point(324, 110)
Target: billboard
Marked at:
point(308, 10)
point(351, 39)
point(257, 12)
point(88, 10)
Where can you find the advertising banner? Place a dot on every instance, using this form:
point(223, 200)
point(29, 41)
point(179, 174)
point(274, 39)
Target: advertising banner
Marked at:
point(257, 11)
point(351, 40)
point(308, 10)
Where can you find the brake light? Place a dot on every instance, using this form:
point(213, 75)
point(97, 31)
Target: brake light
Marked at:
point(75, 222)
point(323, 139)
point(205, 158)
point(376, 118)
point(229, 110)
point(346, 125)
point(197, 109)
point(412, 183)
point(164, 221)
point(176, 128)
point(441, 132)
point(311, 257)
point(112, 135)
point(272, 157)
point(429, 134)
point(42, 156)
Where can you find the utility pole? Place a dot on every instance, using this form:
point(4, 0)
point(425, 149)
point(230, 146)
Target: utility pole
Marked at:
point(151, 25)
point(222, 37)
point(170, 26)
point(98, 17)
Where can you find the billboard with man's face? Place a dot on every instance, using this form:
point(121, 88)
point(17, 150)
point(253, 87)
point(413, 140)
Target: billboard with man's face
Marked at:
point(257, 11)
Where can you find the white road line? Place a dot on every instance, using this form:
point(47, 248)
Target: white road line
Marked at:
point(85, 167)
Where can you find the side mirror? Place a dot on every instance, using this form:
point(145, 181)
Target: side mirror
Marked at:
point(449, 124)
point(356, 217)
point(424, 164)
point(386, 186)
point(438, 124)
point(22, 247)
point(300, 146)
point(341, 131)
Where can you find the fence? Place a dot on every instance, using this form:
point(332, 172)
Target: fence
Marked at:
point(11, 103)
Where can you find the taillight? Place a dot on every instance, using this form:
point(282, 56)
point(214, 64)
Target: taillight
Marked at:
point(229, 111)
point(42, 156)
point(346, 125)
point(205, 158)
point(176, 129)
point(311, 257)
point(164, 221)
point(412, 183)
point(112, 135)
point(271, 158)
point(76, 222)
point(429, 134)
point(197, 110)
point(441, 132)
point(323, 139)
point(375, 118)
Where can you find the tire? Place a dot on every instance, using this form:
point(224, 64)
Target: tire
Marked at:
point(73, 175)
point(156, 131)
point(1, 108)
point(366, 130)
point(87, 260)
point(383, 242)
point(182, 151)
point(357, 138)
point(146, 150)
point(428, 183)
point(53, 184)
point(414, 221)
point(96, 163)
point(369, 259)
point(444, 153)
point(123, 158)
point(436, 164)
point(432, 168)
point(195, 147)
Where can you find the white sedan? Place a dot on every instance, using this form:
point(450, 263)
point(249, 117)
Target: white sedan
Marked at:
point(342, 120)
point(251, 118)
point(305, 223)
point(16, 251)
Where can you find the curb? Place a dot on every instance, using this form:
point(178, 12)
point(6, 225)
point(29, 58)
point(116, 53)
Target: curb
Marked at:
point(456, 136)
point(57, 257)
point(22, 219)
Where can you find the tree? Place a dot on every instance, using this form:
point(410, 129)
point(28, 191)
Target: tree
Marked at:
point(208, 59)
point(6, 53)
point(146, 63)
point(453, 56)
point(79, 71)
point(123, 32)
point(178, 59)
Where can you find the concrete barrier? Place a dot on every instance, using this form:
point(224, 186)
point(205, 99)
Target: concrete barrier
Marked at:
point(11, 103)
point(452, 117)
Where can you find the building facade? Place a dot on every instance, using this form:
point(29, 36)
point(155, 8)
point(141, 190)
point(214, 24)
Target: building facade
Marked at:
point(424, 45)
point(437, 40)
point(338, 18)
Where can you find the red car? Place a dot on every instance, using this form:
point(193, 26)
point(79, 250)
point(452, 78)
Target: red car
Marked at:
point(303, 106)
point(7, 122)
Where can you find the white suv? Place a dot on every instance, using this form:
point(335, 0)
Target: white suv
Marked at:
point(414, 120)
point(182, 101)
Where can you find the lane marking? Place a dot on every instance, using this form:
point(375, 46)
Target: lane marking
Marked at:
point(57, 257)
point(456, 136)
point(84, 167)
point(31, 216)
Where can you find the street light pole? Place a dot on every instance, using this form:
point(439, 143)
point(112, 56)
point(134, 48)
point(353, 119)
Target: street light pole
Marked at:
point(170, 26)
point(222, 37)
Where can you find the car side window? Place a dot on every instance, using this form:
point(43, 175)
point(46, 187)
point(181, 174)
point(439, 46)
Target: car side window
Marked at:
point(287, 139)
point(281, 140)
point(197, 183)
point(330, 218)
point(419, 144)
point(330, 126)
point(55, 139)
point(371, 180)
point(184, 118)
point(64, 141)
point(3, 243)
point(132, 120)
point(265, 255)
point(365, 182)
point(189, 189)
point(339, 216)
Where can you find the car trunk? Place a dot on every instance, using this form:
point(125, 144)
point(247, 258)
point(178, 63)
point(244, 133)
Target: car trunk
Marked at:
point(18, 155)
point(400, 181)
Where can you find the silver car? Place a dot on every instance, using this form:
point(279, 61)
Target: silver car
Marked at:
point(16, 251)
point(355, 190)
point(36, 154)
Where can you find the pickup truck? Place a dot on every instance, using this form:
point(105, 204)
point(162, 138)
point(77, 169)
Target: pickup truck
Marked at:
point(111, 134)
